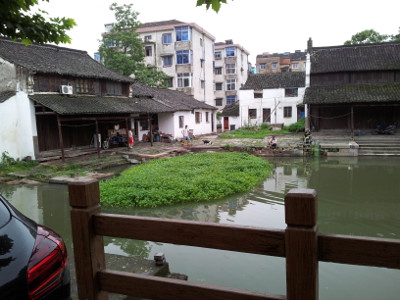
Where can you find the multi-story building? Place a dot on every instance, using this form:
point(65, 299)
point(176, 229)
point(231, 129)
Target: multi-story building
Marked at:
point(183, 51)
point(281, 62)
point(231, 69)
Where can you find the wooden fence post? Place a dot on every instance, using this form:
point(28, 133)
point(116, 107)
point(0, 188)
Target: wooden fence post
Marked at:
point(84, 198)
point(301, 245)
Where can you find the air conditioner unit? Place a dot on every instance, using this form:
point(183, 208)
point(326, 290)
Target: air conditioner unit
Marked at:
point(66, 89)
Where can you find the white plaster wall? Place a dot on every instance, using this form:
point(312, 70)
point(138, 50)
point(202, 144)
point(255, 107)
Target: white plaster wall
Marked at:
point(8, 80)
point(273, 99)
point(18, 126)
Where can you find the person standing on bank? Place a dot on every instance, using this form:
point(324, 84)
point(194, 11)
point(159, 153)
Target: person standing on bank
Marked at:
point(185, 134)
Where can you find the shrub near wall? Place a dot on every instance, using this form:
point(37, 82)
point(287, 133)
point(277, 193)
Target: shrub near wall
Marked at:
point(187, 178)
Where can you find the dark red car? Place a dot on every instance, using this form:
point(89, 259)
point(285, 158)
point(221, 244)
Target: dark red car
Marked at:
point(33, 259)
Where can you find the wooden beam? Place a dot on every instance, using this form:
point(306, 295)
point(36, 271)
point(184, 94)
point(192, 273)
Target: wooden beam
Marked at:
point(154, 287)
point(199, 234)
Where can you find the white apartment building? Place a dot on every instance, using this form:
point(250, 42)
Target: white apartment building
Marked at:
point(184, 51)
point(231, 69)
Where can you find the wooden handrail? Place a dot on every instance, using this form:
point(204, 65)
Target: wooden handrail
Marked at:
point(299, 243)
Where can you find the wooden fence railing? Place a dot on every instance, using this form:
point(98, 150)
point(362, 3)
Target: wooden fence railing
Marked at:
point(300, 243)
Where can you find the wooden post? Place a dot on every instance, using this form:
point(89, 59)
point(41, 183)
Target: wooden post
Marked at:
point(352, 121)
point(301, 245)
point(98, 141)
point(60, 137)
point(84, 198)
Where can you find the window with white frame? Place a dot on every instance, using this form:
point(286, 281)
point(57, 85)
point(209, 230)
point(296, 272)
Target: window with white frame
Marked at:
point(274, 65)
point(184, 80)
point(197, 117)
point(147, 38)
point(218, 71)
point(230, 51)
point(291, 92)
point(183, 33)
point(230, 99)
point(148, 50)
point(167, 38)
point(230, 68)
point(218, 101)
point(262, 67)
point(167, 61)
point(183, 57)
point(295, 66)
point(218, 86)
point(287, 112)
point(230, 84)
point(217, 55)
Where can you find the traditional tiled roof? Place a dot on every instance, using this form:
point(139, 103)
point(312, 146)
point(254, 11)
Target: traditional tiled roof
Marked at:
point(366, 57)
point(176, 100)
point(298, 55)
point(353, 94)
point(56, 60)
point(231, 110)
point(6, 95)
point(274, 80)
point(94, 105)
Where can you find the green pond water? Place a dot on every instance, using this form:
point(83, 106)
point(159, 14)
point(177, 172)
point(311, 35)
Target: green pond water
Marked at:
point(356, 196)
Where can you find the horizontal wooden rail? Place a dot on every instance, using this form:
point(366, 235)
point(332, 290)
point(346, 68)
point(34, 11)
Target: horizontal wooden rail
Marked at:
point(200, 234)
point(152, 287)
point(359, 251)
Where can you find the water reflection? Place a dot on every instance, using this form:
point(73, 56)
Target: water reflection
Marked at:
point(6, 245)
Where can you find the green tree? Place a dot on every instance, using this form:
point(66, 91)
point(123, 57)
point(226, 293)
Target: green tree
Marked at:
point(122, 50)
point(368, 36)
point(18, 22)
point(214, 4)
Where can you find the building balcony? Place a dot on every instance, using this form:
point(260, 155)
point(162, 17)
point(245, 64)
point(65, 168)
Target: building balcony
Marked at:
point(183, 45)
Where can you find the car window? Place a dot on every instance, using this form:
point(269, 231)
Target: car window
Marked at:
point(4, 214)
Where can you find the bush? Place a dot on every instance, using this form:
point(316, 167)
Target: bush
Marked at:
point(187, 178)
point(297, 127)
point(265, 126)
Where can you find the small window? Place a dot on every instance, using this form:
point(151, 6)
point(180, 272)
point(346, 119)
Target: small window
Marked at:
point(167, 38)
point(258, 94)
point(230, 51)
point(181, 121)
point(230, 68)
point(207, 117)
point(198, 117)
point(183, 33)
point(218, 70)
point(230, 99)
point(217, 55)
point(167, 61)
point(147, 38)
point(218, 86)
point(183, 57)
point(170, 82)
point(274, 65)
point(262, 66)
point(295, 66)
point(287, 112)
point(292, 92)
point(218, 102)
point(184, 80)
point(202, 62)
point(202, 84)
point(252, 113)
point(148, 50)
point(231, 84)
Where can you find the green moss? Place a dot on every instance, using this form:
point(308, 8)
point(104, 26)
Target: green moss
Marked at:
point(188, 178)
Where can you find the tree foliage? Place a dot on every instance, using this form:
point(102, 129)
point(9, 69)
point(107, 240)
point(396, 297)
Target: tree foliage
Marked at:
point(214, 4)
point(122, 50)
point(371, 36)
point(18, 22)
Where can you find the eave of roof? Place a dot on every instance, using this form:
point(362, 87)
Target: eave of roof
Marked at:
point(274, 80)
point(353, 94)
point(4, 96)
point(231, 110)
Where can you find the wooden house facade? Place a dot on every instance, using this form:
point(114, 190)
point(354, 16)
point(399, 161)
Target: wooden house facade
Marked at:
point(354, 87)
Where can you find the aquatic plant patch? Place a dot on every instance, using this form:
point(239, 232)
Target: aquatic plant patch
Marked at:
point(187, 178)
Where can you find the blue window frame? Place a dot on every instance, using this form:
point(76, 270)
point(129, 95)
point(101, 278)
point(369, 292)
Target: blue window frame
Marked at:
point(230, 99)
point(167, 61)
point(230, 51)
point(183, 57)
point(167, 38)
point(183, 33)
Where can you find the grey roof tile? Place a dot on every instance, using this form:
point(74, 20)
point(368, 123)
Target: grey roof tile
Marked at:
point(231, 110)
point(353, 94)
point(275, 80)
point(4, 96)
point(56, 60)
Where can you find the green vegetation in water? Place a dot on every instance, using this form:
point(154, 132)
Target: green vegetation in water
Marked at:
point(187, 178)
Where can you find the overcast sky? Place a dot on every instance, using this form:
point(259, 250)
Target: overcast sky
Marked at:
point(258, 25)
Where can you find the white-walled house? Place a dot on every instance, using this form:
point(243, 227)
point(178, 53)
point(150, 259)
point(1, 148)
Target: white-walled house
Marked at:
point(274, 98)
